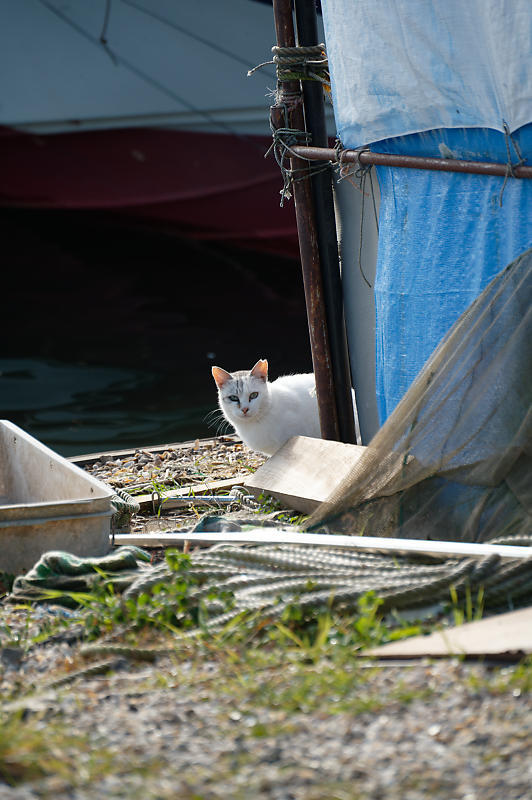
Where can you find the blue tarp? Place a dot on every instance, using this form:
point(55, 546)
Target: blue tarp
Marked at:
point(405, 66)
point(440, 79)
point(443, 237)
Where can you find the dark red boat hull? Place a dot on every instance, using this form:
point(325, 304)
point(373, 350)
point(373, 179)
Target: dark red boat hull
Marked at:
point(205, 186)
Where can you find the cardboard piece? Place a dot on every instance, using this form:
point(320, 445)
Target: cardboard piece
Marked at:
point(502, 636)
point(304, 472)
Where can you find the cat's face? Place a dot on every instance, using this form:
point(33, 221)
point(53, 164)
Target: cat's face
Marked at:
point(243, 395)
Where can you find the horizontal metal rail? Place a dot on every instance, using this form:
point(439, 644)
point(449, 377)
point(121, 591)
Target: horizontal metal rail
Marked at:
point(381, 545)
point(367, 158)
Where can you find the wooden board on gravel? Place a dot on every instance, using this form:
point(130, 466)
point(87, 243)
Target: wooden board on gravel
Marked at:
point(304, 472)
point(89, 458)
point(503, 636)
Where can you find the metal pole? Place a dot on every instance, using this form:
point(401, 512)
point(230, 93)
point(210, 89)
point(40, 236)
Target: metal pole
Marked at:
point(413, 162)
point(321, 182)
point(288, 113)
point(351, 541)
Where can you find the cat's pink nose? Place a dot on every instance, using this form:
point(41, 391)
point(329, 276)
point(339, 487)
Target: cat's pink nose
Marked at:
point(245, 409)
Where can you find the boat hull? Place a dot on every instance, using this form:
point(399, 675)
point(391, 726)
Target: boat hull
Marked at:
point(198, 185)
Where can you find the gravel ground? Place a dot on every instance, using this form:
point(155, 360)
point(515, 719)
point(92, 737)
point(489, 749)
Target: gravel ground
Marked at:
point(215, 721)
point(163, 469)
point(175, 465)
point(187, 727)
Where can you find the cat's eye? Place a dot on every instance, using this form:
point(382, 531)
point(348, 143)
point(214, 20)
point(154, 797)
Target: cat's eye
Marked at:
point(233, 398)
point(253, 395)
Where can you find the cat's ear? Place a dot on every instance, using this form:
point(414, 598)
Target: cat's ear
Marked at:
point(260, 370)
point(221, 376)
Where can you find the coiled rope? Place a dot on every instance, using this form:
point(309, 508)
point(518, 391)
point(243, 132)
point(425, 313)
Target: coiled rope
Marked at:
point(266, 580)
point(124, 507)
point(299, 64)
point(270, 578)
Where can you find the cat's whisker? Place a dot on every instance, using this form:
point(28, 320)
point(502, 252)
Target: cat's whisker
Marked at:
point(215, 419)
point(223, 428)
point(212, 416)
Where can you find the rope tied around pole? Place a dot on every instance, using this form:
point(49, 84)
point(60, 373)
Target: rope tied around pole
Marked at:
point(300, 64)
point(294, 64)
point(510, 167)
point(283, 141)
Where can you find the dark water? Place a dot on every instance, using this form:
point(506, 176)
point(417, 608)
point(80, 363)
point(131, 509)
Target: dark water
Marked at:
point(108, 332)
point(77, 408)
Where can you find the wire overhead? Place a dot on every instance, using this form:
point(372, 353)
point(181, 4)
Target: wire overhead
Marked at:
point(103, 42)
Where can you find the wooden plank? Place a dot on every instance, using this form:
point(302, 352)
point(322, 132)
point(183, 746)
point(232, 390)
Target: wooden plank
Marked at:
point(173, 497)
point(371, 543)
point(304, 472)
point(90, 458)
point(502, 636)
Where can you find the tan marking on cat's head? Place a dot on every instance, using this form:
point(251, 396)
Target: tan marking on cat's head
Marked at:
point(221, 376)
point(260, 370)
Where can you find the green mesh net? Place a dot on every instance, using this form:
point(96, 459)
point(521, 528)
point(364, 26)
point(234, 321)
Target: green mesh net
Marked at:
point(453, 461)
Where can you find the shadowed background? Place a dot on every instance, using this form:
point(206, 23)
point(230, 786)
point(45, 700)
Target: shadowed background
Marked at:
point(109, 332)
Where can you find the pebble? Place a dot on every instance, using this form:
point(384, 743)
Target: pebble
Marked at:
point(469, 739)
point(196, 462)
point(169, 735)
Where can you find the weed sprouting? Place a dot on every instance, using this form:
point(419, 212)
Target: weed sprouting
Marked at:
point(515, 679)
point(470, 610)
point(173, 606)
point(316, 632)
point(31, 751)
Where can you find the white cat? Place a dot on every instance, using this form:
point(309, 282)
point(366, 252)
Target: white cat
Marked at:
point(265, 415)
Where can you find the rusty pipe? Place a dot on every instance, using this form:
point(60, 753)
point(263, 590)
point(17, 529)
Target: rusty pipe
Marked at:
point(322, 193)
point(288, 112)
point(367, 157)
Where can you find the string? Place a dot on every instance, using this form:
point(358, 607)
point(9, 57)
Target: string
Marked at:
point(509, 139)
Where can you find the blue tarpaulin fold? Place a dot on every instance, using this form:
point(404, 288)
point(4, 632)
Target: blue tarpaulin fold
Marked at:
point(445, 80)
point(405, 66)
point(443, 236)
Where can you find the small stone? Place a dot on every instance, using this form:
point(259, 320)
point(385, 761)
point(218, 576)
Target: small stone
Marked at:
point(11, 657)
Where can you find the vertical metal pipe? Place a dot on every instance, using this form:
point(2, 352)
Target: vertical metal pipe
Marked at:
point(321, 182)
point(288, 112)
